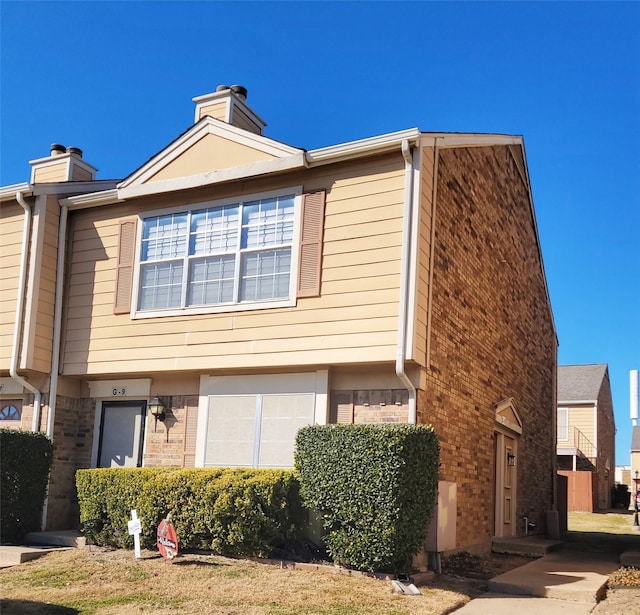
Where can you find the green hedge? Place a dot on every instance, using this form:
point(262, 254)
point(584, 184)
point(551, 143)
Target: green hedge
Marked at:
point(375, 487)
point(230, 511)
point(25, 462)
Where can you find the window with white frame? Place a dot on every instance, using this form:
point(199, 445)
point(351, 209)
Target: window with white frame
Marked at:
point(563, 424)
point(252, 420)
point(218, 254)
point(256, 430)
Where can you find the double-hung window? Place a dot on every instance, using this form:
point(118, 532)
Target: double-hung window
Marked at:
point(563, 424)
point(218, 254)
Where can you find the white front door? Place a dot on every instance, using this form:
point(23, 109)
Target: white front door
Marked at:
point(121, 431)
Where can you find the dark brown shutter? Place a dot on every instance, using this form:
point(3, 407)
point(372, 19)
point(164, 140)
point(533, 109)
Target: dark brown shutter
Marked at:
point(311, 244)
point(341, 407)
point(126, 259)
point(190, 432)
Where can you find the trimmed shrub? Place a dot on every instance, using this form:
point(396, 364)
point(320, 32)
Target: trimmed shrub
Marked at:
point(25, 462)
point(375, 488)
point(229, 511)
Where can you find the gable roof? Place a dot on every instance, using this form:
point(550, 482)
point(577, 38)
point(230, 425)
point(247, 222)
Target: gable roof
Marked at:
point(210, 146)
point(580, 382)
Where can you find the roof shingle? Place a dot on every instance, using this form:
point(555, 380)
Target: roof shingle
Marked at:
point(580, 382)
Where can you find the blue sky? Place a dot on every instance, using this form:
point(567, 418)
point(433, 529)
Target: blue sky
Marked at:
point(117, 78)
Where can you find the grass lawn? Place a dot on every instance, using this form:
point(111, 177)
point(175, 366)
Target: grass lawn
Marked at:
point(114, 582)
point(103, 582)
point(609, 531)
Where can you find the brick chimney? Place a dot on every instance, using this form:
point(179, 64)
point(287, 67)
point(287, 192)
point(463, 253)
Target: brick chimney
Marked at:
point(64, 164)
point(228, 104)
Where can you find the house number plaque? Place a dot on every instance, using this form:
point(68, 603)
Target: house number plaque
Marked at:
point(119, 391)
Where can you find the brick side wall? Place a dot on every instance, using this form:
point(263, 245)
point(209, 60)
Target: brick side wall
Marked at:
point(491, 338)
point(606, 445)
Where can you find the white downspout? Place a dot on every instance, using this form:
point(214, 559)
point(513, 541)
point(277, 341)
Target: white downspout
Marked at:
point(22, 281)
point(57, 318)
point(405, 265)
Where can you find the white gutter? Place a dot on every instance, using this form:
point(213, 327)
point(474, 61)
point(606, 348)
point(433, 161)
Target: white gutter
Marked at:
point(22, 281)
point(405, 265)
point(353, 149)
point(57, 318)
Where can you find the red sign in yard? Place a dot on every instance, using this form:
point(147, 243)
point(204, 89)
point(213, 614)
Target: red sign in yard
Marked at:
point(167, 539)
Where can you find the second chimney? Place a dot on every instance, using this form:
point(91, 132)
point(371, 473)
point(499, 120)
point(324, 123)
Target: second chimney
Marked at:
point(228, 104)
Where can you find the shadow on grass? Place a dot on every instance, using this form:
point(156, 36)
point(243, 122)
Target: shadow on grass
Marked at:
point(28, 607)
point(193, 562)
point(601, 541)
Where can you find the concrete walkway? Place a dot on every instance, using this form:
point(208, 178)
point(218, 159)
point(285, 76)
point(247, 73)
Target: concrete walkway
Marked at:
point(560, 583)
point(39, 544)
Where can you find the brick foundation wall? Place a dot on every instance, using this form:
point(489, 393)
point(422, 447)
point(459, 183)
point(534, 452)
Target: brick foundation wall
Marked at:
point(491, 338)
point(72, 441)
point(165, 443)
point(367, 406)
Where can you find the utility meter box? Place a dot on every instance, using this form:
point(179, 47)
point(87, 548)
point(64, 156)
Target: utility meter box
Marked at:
point(442, 530)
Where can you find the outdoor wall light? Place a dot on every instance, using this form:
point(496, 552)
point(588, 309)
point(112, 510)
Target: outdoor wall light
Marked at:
point(511, 459)
point(157, 409)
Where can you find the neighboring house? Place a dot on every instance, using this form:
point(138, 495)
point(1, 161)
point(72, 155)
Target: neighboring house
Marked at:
point(586, 426)
point(250, 287)
point(623, 475)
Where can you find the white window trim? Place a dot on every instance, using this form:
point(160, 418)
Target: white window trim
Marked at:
point(566, 409)
point(308, 382)
point(290, 301)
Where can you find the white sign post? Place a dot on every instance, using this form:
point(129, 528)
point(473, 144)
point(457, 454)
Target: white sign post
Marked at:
point(135, 527)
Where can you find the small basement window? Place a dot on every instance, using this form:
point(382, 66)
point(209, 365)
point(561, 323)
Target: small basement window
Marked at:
point(10, 410)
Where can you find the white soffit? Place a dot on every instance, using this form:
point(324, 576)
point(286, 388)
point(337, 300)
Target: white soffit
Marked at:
point(466, 139)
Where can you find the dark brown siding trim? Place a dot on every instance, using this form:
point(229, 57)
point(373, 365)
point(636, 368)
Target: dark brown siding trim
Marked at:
point(126, 259)
point(310, 268)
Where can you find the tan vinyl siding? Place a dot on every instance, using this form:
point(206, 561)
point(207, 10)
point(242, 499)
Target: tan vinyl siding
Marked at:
point(582, 418)
point(79, 174)
point(11, 223)
point(353, 320)
point(241, 120)
point(216, 110)
point(211, 153)
point(56, 172)
point(43, 339)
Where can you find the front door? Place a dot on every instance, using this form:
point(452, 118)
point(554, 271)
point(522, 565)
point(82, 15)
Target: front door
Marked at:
point(505, 485)
point(121, 432)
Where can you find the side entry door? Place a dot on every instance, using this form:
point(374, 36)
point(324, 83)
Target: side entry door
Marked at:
point(121, 434)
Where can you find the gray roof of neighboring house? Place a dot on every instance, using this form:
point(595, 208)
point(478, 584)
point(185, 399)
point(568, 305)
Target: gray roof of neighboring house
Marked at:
point(580, 382)
point(635, 439)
